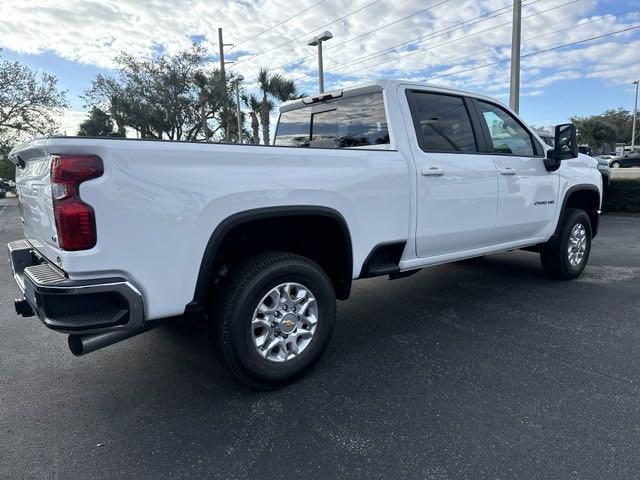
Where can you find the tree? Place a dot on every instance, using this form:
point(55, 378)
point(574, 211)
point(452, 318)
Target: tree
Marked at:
point(603, 132)
point(214, 104)
point(272, 86)
point(254, 106)
point(612, 126)
point(7, 169)
point(98, 124)
point(168, 96)
point(30, 103)
point(621, 120)
point(594, 131)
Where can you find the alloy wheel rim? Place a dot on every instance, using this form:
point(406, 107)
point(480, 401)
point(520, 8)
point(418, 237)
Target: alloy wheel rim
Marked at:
point(577, 244)
point(284, 322)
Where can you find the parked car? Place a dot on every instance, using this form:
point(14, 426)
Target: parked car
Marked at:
point(387, 178)
point(547, 138)
point(605, 171)
point(631, 159)
point(5, 187)
point(585, 149)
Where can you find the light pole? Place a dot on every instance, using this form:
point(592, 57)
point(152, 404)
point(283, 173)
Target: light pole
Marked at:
point(237, 81)
point(514, 94)
point(635, 114)
point(317, 41)
point(223, 75)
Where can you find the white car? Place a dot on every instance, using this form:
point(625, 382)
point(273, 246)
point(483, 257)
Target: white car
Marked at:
point(381, 179)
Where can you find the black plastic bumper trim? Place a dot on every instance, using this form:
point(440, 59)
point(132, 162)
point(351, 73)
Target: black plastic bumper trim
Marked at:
point(74, 306)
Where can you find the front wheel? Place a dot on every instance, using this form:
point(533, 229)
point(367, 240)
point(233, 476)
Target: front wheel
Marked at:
point(273, 318)
point(615, 165)
point(566, 256)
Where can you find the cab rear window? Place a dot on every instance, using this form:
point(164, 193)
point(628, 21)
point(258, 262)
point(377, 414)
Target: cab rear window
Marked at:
point(358, 121)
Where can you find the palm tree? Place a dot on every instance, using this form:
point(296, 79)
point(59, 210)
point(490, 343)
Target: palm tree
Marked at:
point(273, 86)
point(214, 104)
point(254, 106)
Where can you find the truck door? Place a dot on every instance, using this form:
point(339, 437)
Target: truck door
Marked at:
point(527, 192)
point(457, 191)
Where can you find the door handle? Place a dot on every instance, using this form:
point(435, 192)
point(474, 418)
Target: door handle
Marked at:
point(507, 171)
point(432, 172)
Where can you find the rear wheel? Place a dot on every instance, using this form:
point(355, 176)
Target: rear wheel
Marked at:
point(566, 256)
point(273, 318)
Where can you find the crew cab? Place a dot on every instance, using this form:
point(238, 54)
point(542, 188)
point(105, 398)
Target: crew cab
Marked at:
point(384, 178)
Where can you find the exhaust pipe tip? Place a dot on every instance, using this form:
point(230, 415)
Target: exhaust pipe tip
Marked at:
point(81, 344)
point(22, 307)
point(75, 345)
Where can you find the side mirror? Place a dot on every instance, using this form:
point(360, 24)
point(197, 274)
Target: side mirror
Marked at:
point(565, 146)
point(566, 143)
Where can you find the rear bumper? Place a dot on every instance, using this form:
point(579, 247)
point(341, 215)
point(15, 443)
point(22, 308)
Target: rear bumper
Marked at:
point(73, 306)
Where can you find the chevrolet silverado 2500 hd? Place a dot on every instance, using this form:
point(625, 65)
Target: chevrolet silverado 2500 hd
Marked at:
point(380, 179)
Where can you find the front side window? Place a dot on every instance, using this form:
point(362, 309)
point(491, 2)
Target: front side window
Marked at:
point(507, 135)
point(441, 122)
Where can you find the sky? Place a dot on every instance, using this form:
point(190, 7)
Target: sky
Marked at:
point(463, 44)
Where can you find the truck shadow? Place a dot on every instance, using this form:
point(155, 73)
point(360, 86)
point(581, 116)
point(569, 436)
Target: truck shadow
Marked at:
point(426, 304)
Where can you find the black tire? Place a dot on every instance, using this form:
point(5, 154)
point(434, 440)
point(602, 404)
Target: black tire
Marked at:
point(616, 164)
point(555, 257)
point(237, 298)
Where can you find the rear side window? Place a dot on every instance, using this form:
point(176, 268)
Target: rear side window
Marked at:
point(353, 122)
point(441, 122)
point(356, 122)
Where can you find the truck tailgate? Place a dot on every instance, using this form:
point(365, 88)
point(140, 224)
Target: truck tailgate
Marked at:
point(33, 184)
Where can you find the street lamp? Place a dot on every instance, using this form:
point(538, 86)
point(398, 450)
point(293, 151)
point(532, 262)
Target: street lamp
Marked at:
point(317, 41)
point(635, 114)
point(237, 81)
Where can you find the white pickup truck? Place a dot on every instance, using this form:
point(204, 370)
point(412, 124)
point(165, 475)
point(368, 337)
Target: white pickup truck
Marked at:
point(381, 179)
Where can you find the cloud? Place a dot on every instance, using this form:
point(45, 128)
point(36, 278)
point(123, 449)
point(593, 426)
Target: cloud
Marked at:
point(458, 37)
point(70, 121)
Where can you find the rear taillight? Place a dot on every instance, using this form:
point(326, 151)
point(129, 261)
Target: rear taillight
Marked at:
point(75, 220)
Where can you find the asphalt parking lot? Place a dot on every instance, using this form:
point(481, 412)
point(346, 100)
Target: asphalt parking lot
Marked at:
point(482, 369)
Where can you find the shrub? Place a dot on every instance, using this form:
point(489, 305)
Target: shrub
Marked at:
point(623, 195)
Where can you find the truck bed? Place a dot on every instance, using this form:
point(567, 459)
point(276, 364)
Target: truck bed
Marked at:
point(158, 202)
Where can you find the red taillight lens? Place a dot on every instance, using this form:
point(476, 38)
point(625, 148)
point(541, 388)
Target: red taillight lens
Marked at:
point(75, 220)
point(75, 169)
point(76, 224)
